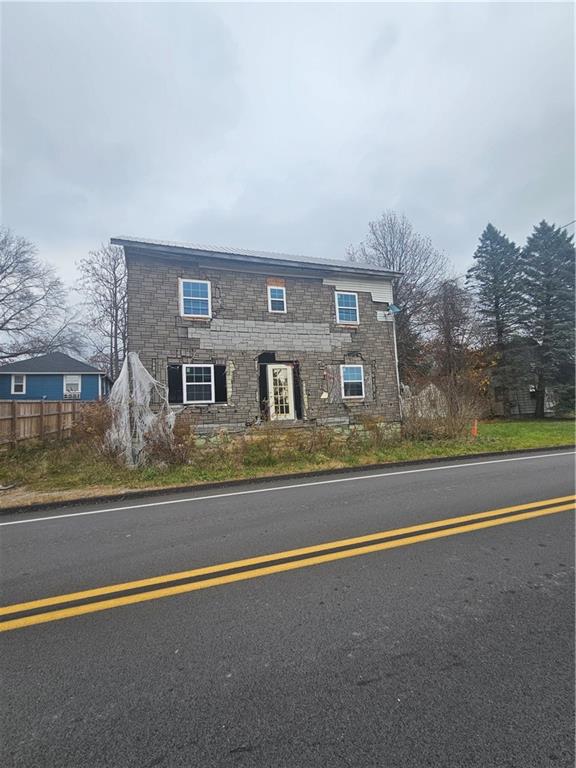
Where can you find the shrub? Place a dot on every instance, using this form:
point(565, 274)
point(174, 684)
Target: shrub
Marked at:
point(170, 447)
point(93, 422)
point(447, 413)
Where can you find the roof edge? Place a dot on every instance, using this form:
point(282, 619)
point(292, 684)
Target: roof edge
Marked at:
point(95, 372)
point(165, 248)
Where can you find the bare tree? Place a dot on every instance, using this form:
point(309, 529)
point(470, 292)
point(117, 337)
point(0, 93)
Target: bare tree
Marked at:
point(393, 244)
point(34, 318)
point(453, 328)
point(103, 286)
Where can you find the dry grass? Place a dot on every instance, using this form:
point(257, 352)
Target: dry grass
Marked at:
point(80, 469)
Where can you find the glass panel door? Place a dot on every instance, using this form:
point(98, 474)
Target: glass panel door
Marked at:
point(280, 392)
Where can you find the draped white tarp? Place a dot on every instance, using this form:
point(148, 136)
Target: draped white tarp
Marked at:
point(133, 418)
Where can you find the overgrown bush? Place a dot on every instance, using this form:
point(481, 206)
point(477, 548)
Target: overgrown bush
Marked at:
point(171, 448)
point(93, 422)
point(449, 413)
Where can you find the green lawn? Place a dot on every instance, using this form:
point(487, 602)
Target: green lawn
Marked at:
point(56, 470)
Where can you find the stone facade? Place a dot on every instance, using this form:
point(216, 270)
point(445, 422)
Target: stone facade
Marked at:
point(242, 329)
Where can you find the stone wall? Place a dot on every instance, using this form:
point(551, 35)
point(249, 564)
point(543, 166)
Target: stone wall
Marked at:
point(241, 329)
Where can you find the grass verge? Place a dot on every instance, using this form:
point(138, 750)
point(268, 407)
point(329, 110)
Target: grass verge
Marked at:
point(73, 470)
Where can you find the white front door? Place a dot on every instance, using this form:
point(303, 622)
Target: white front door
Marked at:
point(280, 391)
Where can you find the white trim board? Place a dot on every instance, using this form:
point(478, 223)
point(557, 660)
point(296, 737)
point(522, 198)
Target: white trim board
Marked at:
point(381, 290)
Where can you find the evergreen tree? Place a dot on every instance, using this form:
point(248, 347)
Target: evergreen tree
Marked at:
point(495, 278)
point(494, 275)
point(547, 269)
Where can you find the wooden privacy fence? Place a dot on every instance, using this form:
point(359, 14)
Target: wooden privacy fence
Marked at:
point(36, 419)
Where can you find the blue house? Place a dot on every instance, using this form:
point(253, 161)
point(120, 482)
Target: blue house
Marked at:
point(55, 376)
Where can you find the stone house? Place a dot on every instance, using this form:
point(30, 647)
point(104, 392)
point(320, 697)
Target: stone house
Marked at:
point(241, 337)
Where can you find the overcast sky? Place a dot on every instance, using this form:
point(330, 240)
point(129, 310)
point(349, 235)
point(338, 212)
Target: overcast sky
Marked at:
point(284, 127)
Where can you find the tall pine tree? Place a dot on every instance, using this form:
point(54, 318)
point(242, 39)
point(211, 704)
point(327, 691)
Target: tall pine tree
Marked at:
point(495, 278)
point(547, 278)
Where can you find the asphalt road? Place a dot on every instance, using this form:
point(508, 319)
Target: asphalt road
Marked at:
point(453, 648)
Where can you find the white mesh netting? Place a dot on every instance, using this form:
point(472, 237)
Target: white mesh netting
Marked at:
point(133, 419)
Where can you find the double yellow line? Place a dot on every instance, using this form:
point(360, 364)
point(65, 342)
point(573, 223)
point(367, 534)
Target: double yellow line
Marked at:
point(58, 607)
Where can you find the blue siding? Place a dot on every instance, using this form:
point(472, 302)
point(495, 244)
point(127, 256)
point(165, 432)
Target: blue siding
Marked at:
point(49, 386)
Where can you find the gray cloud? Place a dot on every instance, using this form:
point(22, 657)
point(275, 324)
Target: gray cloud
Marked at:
point(284, 127)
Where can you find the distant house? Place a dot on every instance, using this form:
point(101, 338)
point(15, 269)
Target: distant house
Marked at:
point(55, 376)
point(521, 401)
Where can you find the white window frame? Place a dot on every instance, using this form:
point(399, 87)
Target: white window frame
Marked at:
point(181, 281)
point(352, 397)
point(12, 384)
point(347, 322)
point(185, 400)
point(69, 376)
point(277, 288)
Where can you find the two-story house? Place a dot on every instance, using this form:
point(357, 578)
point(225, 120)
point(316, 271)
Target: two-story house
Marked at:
point(242, 337)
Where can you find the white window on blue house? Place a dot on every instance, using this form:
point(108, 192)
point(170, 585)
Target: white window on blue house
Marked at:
point(18, 384)
point(195, 298)
point(72, 386)
point(198, 384)
point(276, 299)
point(352, 377)
point(347, 308)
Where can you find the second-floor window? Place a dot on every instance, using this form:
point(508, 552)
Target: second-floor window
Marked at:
point(347, 308)
point(276, 299)
point(195, 298)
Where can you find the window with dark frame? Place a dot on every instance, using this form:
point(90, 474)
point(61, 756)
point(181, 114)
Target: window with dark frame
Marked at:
point(211, 383)
point(198, 383)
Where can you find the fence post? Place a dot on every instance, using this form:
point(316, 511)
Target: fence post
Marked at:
point(59, 420)
point(14, 425)
point(41, 425)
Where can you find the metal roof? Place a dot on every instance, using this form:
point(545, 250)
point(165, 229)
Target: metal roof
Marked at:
point(243, 254)
point(54, 362)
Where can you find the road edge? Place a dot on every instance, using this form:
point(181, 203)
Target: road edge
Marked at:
point(143, 493)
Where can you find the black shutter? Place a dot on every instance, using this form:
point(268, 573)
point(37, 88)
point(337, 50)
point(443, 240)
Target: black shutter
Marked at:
point(175, 392)
point(220, 393)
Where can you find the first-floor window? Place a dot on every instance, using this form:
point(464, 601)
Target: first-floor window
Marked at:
point(72, 386)
point(198, 383)
point(18, 384)
point(352, 380)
